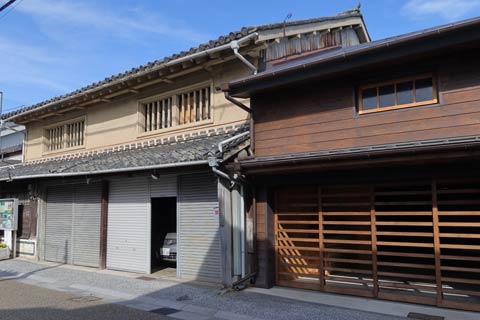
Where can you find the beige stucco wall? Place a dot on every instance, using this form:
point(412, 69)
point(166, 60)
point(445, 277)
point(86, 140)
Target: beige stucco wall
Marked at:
point(114, 123)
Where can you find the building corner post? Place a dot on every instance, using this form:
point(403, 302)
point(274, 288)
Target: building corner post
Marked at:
point(103, 225)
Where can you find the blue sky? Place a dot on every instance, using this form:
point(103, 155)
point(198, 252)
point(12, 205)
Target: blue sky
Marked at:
point(48, 48)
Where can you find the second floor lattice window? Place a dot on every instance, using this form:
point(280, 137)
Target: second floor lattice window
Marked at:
point(65, 136)
point(194, 106)
point(180, 109)
point(158, 114)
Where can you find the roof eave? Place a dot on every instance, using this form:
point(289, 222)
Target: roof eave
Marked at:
point(108, 171)
point(424, 42)
point(273, 164)
point(245, 41)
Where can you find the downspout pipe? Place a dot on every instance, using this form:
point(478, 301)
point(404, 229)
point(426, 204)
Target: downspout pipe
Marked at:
point(222, 174)
point(214, 163)
point(236, 102)
point(235, 46)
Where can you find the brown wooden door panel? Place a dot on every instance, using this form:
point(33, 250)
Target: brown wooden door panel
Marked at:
point(416, 242)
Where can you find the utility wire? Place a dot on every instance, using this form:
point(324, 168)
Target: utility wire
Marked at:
point(6, 5)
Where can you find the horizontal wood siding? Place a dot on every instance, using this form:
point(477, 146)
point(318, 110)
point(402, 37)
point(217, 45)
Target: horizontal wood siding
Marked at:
point(322, 116)
point(265, 239)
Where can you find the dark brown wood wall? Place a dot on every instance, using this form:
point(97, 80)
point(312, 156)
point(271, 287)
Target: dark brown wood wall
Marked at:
point(264, 239)
point(322, 115)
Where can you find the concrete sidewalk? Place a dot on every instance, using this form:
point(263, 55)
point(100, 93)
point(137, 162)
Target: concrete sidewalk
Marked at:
point(43, 304)
point(180, 300)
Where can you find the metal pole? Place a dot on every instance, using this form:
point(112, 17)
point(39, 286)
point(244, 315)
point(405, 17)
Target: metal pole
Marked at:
point(1, 125)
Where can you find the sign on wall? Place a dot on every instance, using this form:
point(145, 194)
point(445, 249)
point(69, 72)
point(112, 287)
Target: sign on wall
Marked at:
point(8, 214)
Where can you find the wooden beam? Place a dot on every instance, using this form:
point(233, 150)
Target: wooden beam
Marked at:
point(214, 55)
point(103, 225)
point(373, 226)
point(186, 64)
point(48, 115)
point(436, 244)
point(321, 239)
point(167, 80)
point(29, 120)
point(276, 267)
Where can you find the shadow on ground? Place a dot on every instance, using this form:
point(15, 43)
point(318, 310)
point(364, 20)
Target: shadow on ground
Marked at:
point(189, 298)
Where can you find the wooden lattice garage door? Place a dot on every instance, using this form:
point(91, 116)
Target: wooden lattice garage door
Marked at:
point(416, 242)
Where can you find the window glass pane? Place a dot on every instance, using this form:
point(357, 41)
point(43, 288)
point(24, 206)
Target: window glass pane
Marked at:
point(405, 92)
point(369, 99)
point(424, 89)
point(386, 96)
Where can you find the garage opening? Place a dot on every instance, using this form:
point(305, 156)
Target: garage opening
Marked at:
point(415, 242)
point(164, 236)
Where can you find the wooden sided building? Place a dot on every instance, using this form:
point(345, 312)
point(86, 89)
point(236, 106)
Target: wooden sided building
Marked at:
point(365, 169)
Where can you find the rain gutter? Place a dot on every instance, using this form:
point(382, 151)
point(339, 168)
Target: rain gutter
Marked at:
point(161, 66)
point(119, 170)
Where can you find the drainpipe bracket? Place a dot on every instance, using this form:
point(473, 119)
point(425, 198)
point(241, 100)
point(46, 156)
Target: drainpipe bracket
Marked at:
point(213, 162)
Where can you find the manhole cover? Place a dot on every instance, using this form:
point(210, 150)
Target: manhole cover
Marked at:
point(165, 311)
point(85, 299)
point(183, 298)
point(421, 316)
point(146, 278)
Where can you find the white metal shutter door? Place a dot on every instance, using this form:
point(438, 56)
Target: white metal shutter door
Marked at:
point(199, 239)
point(58, 224)
point(128, 235)
point(165, 186)
point(86, 225)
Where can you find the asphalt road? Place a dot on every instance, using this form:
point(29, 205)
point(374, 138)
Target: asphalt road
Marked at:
point(19, 301)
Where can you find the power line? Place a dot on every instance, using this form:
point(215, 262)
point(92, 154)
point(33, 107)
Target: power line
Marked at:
point(6, 5)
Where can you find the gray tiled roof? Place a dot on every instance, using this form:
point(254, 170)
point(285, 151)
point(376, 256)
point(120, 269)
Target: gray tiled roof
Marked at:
point(225, 39)
point(197, 148)
point(342, 53)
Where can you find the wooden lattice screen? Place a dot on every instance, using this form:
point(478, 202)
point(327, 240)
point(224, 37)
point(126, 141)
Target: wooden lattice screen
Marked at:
point(417, 242)
point(68, 135)
point(180, 109)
